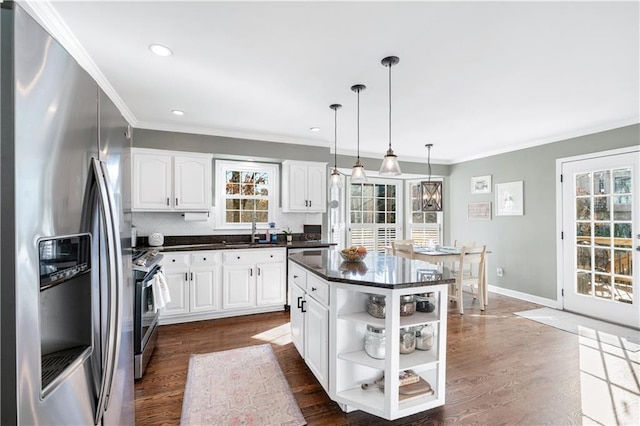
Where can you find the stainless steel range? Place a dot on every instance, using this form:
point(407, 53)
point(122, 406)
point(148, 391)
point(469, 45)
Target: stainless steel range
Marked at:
point(146, 265)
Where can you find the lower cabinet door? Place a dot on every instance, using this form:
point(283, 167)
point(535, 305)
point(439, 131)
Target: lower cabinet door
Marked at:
point(204, 290)
point(297, 318)
point(178, 284)
point(271, 284)
point(238, 287)
point(316, 338)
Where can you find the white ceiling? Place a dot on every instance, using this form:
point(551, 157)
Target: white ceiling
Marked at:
point(474, 78)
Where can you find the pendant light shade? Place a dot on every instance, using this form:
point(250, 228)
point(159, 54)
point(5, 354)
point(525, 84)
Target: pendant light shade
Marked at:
point(336, 178)
point(390, 165)
point(357, 173)
point(431, 192)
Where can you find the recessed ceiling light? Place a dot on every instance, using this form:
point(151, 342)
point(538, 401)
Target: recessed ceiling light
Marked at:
point(315, 129)
point(160, 50)
point(177, 112)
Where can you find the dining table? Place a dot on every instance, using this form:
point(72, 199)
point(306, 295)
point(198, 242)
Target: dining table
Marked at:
point(441, 255)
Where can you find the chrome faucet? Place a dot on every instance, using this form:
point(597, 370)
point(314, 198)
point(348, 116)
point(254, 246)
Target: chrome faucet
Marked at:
point(253, 228)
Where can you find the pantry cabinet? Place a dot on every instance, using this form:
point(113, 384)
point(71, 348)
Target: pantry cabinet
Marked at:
point(304, 186)
point(170, 181)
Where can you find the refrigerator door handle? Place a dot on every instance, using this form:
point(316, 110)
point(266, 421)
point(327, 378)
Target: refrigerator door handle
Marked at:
point(98, 174)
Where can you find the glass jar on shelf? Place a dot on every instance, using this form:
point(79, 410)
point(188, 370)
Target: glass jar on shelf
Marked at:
point(424, 337)
point(426, 302)
point(374, 342)
point(376, 306)
point(407, 340)
point(407, 305)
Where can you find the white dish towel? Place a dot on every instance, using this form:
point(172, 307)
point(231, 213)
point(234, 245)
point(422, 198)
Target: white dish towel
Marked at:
point(161, 295)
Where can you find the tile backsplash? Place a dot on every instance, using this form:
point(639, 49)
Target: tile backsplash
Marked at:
point(175, 224)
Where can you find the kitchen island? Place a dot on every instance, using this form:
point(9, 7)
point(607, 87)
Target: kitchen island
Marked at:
point(330, 320)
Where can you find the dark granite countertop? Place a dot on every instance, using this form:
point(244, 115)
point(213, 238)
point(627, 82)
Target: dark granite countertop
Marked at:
point(376, 270)
point(234, 245)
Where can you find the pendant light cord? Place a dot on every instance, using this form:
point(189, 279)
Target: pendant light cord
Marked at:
point(429, 161)
point(335, 139)
point(358, 125)
point(389, 106)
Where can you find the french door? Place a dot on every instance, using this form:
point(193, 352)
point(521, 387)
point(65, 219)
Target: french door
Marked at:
point(600, 219)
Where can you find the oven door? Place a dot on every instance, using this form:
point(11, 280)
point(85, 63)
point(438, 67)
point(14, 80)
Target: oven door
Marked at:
point(146, 316)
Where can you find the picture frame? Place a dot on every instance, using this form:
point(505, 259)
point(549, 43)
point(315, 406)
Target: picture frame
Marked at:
point(479, 211)
point(481, 184)
point(510, 199)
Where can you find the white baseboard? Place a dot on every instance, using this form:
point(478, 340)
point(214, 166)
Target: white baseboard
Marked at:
point(525, 296)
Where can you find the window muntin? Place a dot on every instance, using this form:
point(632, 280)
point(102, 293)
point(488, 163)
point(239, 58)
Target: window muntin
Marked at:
point(246, 189)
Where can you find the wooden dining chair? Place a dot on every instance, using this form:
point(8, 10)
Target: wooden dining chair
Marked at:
point(460, 243)
point(475, 257)
point(403, 248)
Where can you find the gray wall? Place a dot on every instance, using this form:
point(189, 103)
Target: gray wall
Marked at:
point(525, 246)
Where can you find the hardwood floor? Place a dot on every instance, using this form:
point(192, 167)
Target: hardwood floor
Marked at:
point(501, 369)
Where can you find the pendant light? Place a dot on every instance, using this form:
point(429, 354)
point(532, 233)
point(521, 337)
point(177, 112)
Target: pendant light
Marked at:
point(390, 166)
point(431, 192)
point(336, 178)
point(357, 173)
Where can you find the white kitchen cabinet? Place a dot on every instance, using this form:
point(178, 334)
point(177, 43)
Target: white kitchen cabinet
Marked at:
point(304, 186)
point(193, 279)
point(170, 181)
point(253, 278)
point(238, 286)
point(310, 321)
point(270, 283)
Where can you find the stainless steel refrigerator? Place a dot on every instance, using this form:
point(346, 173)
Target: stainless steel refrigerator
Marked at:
point(66, 289)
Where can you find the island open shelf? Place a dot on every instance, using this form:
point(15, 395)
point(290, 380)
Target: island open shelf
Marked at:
point(349, 365)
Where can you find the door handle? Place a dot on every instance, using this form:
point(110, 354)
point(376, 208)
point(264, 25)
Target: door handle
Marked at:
point(299, 302)
point(303, 302)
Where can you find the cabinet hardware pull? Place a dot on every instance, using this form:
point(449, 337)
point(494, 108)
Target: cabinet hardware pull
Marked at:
point(314, 289)
point(303, 302)
point(204, 258)
point(295, 276)
point(176, 201)
point(258, 271)
point(173, 260)
point(250, 272)
point(192, 276)
point(186, 276)
point(309, 203)
point(167, 200)
point(271, 256)
point(299, 300)
point(238, 257)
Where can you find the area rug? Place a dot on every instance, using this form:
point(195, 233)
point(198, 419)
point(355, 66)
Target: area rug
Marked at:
point(612, 334)
point(238, 387)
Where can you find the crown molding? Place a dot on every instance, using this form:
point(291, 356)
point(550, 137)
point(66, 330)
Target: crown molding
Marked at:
point(46, 15)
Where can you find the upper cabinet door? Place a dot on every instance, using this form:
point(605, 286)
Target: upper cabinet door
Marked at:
point(317, 187)
point(192, 183)
point(170, 181)
point(304, 186)
point(152, 181)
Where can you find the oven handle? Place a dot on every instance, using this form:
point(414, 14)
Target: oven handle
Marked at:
point(148, 279)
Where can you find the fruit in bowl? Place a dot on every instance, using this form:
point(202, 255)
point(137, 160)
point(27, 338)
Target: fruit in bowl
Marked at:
point(353, 254)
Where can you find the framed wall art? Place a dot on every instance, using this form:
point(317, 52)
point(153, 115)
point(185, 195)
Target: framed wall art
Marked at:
point(479, 211)
point(509, 199)
point(481, 184)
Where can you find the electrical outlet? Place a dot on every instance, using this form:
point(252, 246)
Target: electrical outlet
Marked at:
point(500, 272)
